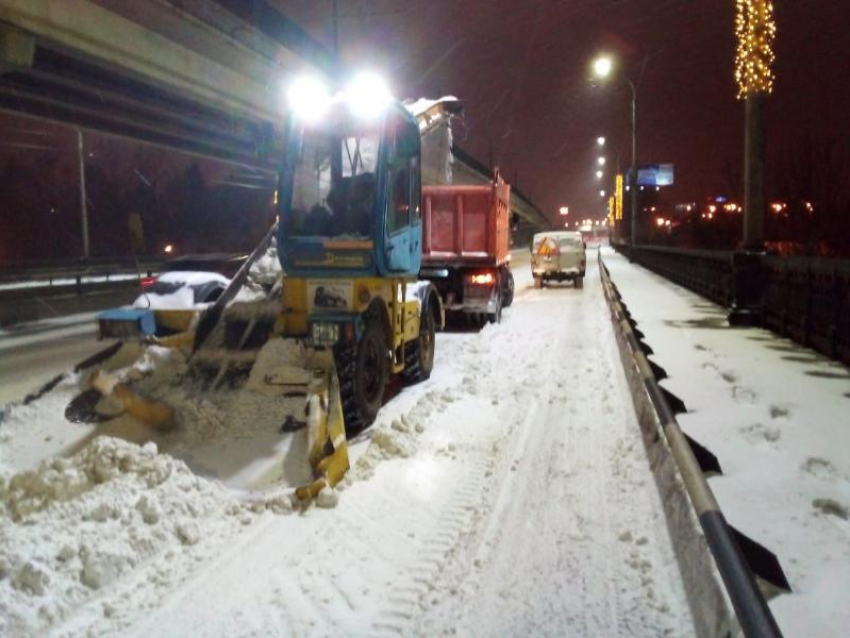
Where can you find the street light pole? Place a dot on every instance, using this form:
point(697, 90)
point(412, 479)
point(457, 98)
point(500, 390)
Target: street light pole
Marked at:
point(602, 68)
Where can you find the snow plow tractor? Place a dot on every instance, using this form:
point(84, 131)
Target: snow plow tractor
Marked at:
point(264, 387)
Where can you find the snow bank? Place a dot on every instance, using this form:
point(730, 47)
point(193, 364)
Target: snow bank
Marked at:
point(72, 527)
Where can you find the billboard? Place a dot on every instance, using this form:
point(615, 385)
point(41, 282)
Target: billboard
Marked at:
point(655, 175)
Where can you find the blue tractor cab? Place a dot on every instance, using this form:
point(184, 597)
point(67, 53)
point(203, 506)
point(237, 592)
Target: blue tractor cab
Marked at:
point(349, 201)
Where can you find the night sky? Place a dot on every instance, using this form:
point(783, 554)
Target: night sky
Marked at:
point(523, 68)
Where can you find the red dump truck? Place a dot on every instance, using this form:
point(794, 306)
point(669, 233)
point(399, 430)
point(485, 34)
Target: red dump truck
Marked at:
point(465, 240)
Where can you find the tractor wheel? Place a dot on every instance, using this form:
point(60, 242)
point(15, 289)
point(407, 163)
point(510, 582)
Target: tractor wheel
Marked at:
point(508, 290)
point(419, 353)
point(362, 370)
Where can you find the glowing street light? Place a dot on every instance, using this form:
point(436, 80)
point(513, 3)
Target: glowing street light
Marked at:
point(602, 193)
point(600, 140)
point(564, 210)
point(602, 66)
point(599, 174)
point(601, 161)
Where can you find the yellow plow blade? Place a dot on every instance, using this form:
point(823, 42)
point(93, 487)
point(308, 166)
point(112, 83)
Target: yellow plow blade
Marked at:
point(328, 447)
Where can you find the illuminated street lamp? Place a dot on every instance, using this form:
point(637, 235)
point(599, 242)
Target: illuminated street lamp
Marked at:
point(601, 161)
point(564, 210)
point(599, 174)
point(602, 193)
point(601, 141)
point(602, 68)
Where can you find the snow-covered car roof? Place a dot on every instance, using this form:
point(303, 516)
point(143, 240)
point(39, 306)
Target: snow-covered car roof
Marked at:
point(192, 277)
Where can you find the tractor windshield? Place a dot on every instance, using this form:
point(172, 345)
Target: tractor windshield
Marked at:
point(334, 185)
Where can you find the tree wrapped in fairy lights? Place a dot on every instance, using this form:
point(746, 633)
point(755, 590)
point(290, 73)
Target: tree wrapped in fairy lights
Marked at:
point(756, 32)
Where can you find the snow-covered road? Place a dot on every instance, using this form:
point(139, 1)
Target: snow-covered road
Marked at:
point(508, 495)
point(33, 353)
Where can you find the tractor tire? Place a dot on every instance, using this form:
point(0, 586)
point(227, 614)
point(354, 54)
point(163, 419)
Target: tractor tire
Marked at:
point(363, 370)
point(419, 353)
point(508, 289)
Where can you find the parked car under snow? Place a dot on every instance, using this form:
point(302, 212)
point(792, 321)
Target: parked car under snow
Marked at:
point(189, 284)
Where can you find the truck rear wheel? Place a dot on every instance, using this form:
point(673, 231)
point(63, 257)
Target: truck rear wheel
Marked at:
point(419, 353)
point(508, 289)
point(538, 283)
point(579, 281)
point(362, 370)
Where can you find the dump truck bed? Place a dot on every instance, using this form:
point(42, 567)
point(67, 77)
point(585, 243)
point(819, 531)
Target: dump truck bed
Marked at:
point(466, 225)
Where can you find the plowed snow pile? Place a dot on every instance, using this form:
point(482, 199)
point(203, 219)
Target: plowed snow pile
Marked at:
point(74, 526)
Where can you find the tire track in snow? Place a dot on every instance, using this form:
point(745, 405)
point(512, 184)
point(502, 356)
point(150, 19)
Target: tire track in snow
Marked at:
point(559, 455)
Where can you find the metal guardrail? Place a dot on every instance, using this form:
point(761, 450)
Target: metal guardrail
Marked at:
point(48, 271)
point(804, 299)
point(754, 616)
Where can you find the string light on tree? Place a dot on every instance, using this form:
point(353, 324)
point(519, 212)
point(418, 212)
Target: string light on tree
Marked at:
point(756, 32)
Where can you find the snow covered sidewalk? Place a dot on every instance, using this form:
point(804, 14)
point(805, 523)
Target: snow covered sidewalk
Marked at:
point(509, 495)
point(778, 418)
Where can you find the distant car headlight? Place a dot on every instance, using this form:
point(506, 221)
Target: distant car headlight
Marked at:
point(323, 333)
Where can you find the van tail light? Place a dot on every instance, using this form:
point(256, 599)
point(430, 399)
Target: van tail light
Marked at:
point(147, 282)
point(482, 279)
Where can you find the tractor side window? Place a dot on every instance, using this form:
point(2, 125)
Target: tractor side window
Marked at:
point(399, 197)
point(415, 189)
point(404, 152)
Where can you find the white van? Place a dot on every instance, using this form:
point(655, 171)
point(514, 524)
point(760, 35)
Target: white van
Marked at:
point(558, 256)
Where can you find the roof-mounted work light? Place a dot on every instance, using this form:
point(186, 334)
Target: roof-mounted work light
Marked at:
point(368, 95)
point(309, 99)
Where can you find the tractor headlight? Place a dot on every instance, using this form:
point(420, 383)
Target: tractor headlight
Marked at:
point(324, 333)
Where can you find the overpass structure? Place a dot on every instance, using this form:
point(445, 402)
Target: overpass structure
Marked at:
point(199, 76)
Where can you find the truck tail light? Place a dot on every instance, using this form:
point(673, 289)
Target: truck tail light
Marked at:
point(147, 282)
point(483, 279)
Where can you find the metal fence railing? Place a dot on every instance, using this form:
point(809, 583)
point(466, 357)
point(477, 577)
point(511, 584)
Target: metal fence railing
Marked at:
point(804, 299)
point(808, 300)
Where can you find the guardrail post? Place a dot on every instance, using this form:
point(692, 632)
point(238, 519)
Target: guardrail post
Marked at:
point(748, 283)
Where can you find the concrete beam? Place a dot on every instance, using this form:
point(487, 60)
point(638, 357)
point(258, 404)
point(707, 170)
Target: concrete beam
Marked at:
point(240, 71)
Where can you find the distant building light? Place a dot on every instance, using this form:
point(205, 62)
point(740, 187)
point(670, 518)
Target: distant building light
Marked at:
point(169, 248)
